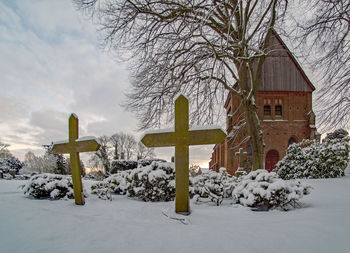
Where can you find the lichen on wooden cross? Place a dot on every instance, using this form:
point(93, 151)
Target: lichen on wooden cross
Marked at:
point(73, 147)
point(182, 138)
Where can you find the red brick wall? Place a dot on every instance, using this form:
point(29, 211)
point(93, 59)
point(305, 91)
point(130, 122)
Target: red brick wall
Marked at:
point(277, 130)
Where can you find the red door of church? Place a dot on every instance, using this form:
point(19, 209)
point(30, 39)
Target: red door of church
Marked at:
point(272, 158)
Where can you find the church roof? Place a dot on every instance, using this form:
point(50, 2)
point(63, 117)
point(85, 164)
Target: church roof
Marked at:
point(281, 70)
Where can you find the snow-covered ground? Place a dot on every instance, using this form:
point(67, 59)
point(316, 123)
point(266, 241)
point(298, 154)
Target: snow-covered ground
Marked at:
point(127, 225)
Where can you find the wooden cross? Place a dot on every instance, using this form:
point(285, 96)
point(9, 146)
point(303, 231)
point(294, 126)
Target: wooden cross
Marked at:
point(73, 147)
point(181, 138)
point(240, 155)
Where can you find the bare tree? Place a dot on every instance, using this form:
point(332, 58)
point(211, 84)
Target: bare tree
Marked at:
point(117, 145)
point(101, 158)
point(130, 146)
point(123, 143)
point(327, 32)
point(4, 152)
point(144, 152)
point(200, 48)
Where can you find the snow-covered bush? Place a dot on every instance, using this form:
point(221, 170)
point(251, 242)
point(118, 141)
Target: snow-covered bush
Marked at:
point(121, 165)
point(145, 162)
point(262, 191)
point(310, 159)
point(337, 134)
point(212, 185)
point(154, 182)
point(116, 183)
point(11, 164)
point(49, 186)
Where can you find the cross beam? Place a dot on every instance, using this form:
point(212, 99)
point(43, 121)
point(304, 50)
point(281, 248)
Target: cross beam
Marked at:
point(73, 147)
point(182, 137)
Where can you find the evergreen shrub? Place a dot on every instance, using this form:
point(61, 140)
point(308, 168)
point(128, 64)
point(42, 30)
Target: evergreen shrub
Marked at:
point(49, 186)
point(263, 191)
point(310, 159)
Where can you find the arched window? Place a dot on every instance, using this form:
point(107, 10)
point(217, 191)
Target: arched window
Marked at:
point(267, 110)
point(278, 110)
point(291, 141)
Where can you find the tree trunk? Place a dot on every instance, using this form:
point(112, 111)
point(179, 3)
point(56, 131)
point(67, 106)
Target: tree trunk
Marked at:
point(252, 121)
point(255, 133)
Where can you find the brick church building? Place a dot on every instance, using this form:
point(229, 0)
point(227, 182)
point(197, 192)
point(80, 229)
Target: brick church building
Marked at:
point(284, 106)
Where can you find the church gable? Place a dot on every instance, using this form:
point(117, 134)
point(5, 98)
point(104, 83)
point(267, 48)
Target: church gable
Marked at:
point(281, 71)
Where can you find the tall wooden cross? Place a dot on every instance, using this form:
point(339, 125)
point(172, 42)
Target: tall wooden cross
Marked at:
point(73, 147)
point(181, 138)
point(240, 155)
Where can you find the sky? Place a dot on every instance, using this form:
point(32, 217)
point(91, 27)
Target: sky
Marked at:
point(51, 65)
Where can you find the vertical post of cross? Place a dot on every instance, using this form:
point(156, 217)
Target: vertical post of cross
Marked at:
point(181, 156)
point(75, 161)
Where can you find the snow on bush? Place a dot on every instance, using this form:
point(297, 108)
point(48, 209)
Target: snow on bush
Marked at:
point(145, 162)
point(49, 186)
point(262, 191)
point(121, 165)
point(116, 183)
point(212, 185)
point(310, 159)
point(11, 166)
point(154, 182)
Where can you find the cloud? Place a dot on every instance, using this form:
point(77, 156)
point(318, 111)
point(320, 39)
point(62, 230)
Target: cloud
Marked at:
point(51, 65)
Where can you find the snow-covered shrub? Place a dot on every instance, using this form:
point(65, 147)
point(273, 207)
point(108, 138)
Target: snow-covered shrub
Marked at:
point(262, 191)
point(10, 164)
point(310, 159)
point(120, 165)
point(155, 182)
point(337, 134)
point(145, 162)
point(49, 186)
point(212, 185)
point(95, 175)
point(116, 183)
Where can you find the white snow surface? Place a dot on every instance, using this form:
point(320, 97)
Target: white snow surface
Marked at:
point(127, 225)
point(61, 142)
point(88, 138)
point(158, 131)
point(85, 138)
point(207, 127)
